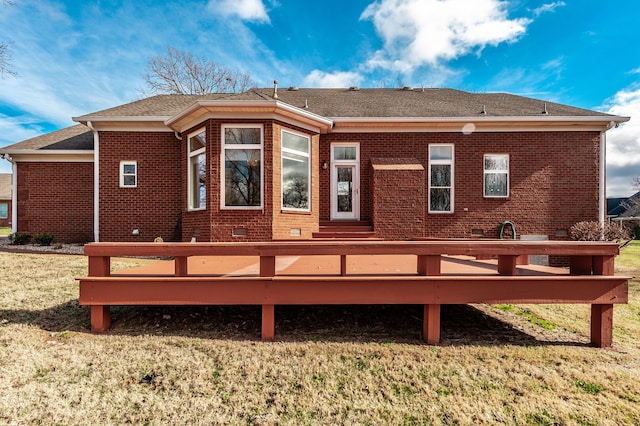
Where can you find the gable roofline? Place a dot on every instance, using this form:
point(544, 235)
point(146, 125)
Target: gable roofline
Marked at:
point(203, 109)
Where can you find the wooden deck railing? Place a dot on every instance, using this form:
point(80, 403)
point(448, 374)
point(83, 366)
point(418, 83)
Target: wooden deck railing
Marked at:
point(590, 279)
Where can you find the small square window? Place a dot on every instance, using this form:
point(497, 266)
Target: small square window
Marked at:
point(128, 174)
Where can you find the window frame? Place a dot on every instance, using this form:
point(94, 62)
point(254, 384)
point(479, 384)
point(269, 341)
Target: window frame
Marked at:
point(223, 149)
point(124, 163)
point(450, 162)
point(299, 153)
point(190, 176)
point(501, 171)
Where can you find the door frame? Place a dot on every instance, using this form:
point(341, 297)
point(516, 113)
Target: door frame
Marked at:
point(335, 215)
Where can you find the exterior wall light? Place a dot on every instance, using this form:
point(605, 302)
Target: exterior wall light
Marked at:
point(325, 165)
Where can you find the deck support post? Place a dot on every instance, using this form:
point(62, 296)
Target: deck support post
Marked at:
point(431, 324)
point(343, 265)
point(268, 323)
point(581, 265)
point(100, 318)
point(602, 325)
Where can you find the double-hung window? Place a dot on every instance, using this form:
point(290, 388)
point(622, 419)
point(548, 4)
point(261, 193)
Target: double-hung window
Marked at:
point(242, 166)
point(441, 178)
point(496, 175)
point(128, 174)
point(197, 158)
point(296, 171)
point(4, 210)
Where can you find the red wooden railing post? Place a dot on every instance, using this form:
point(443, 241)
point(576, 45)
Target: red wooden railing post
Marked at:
point(181, 269)
point(100, 266)
point(507, 264)
point(430, 265)
point(268, 269)
point(602, 315)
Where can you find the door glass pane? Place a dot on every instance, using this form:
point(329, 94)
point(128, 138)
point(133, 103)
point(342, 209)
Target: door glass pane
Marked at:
point(345, 189)
point(344, 153)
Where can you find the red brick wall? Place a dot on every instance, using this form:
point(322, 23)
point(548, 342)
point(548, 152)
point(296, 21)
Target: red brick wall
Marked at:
point(554, 179)
point(56, 198)
point(154, 206)
point(399, 200)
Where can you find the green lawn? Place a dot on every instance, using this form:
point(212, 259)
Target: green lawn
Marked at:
point(4, 231)
point(629, 256)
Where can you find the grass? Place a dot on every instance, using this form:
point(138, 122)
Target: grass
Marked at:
point(4, 231)
point(333, 365)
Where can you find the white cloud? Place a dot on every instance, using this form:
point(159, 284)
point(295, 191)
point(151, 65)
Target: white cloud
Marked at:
point(248, 10)
point(549, 7)
point(427, 32)
point(623, 143)
point(319, 78)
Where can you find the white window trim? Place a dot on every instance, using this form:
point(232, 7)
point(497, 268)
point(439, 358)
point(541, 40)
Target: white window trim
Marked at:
point(442, 162)
point(302, 154)
point(123, 174)
point(484, 190)
point(223, 149)
point(190, 176)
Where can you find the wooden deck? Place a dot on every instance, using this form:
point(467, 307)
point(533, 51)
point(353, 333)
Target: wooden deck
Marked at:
point(589, 280)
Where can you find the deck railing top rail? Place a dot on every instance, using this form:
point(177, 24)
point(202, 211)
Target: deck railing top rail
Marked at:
point(300, 248)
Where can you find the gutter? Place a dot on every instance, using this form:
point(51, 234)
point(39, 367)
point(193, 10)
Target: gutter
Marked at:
point(96, 182)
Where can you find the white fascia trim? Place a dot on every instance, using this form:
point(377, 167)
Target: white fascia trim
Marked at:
point(491, 119)
point(125, 118)
point(49, 152)
point(475, 124)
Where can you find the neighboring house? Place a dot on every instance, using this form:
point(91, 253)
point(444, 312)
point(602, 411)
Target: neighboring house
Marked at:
point(5, 199)
point(290, 164)
point(624, 208)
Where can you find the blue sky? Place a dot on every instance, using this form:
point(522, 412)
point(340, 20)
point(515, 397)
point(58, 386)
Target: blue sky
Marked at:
point(77, 57)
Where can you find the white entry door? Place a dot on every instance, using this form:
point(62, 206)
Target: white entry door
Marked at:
point(345, 181)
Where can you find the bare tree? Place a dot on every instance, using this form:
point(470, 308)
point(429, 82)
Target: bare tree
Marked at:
point(633, 203)
point(5, 52)
point(179, 72)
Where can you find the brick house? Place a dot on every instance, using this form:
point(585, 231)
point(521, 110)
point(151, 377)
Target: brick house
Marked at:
point(271, 164)
point(5, 199)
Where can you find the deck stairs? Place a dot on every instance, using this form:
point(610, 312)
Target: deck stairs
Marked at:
point(344, 229)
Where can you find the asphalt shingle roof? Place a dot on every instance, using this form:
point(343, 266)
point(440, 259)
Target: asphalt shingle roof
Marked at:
point(330, 103)
point(73, 138)
point(335, 103)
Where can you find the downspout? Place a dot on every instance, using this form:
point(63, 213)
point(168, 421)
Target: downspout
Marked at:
point(14, 195)
point(96, 182)
point(603, 177)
